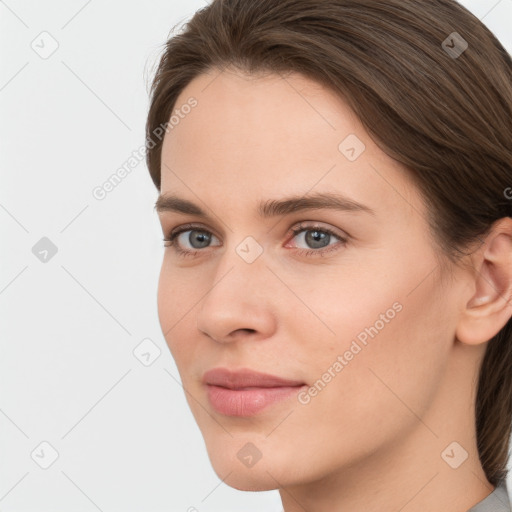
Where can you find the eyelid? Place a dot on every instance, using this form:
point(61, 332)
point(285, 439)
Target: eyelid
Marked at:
point(183, 228)
point(191, 226)
point(342, 238)
point(310, 225)
point(295, 230)
point(302, 225)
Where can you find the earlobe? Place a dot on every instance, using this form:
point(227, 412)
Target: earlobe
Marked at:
point(490, 306)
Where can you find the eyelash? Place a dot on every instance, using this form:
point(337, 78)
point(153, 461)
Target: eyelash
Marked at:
point(170, 241)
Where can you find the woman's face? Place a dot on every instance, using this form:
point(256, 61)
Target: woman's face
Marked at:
point(351, 307)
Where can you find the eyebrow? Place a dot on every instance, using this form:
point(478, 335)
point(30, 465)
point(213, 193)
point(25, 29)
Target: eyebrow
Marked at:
point(271, 207)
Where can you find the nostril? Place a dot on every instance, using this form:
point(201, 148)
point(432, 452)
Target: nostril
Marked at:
point(239, 332)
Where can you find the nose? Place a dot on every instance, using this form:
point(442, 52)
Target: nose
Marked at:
point(238, 304)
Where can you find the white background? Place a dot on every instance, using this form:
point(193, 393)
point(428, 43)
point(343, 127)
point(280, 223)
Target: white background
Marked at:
point(125, 437)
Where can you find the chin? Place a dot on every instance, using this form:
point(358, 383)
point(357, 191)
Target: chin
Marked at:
point(232, 463)
point(244, 479)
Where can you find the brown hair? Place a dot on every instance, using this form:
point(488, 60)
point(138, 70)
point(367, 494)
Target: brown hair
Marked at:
point(446, 117)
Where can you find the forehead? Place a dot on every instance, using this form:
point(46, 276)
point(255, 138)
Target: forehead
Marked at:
point(239, 114)
point(254, 136)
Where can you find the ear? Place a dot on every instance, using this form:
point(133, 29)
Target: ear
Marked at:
point(490, 307)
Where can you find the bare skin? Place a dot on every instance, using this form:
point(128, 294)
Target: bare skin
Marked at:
point(377, 436)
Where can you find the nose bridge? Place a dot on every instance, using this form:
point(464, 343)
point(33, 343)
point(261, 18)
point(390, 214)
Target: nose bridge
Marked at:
point(241, 268)
point(238, 297)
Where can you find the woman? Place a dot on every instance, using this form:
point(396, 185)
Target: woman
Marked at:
point(335, 198)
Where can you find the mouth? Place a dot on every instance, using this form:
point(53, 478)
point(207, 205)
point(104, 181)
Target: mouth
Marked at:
point(245, 392)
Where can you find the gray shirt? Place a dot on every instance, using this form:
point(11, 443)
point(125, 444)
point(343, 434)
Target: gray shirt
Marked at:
point(497, 501)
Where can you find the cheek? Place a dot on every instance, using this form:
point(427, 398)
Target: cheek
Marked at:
point(166, 298)
point(392, 329)
point(176, 299)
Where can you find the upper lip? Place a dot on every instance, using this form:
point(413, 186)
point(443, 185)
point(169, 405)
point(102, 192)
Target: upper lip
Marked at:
point(245, 378)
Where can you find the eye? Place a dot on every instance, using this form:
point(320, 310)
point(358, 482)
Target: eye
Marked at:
point(318, 239)
point(197, 238)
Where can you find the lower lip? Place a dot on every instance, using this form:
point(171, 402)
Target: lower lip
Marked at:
point(247, 402)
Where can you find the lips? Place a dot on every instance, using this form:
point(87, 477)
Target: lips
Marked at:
point(245, 378)
point(246, 392)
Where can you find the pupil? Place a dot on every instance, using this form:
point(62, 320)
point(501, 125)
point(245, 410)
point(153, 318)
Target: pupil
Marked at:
point(313, 237)
point(201, 237)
